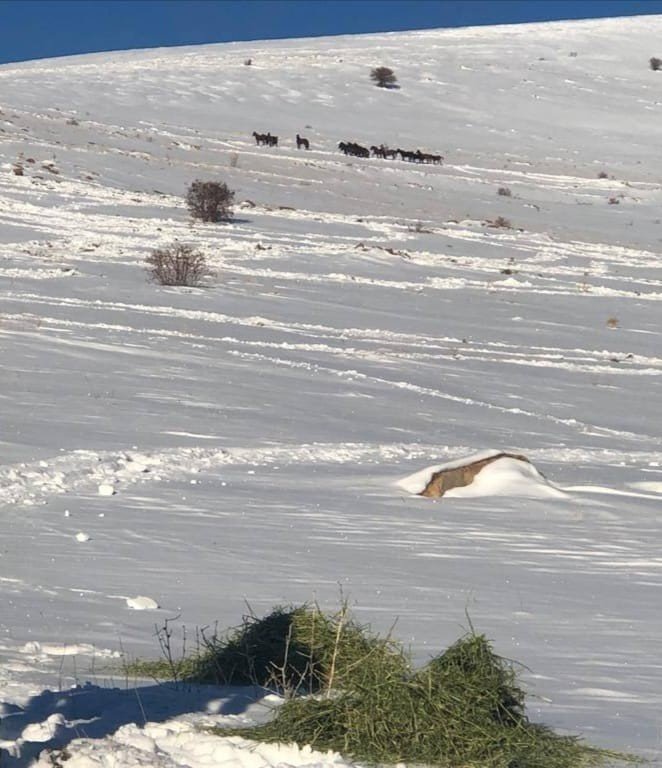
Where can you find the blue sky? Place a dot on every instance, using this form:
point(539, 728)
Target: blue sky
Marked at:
point(32, 29)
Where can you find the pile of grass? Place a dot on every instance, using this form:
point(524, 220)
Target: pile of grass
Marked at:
point(292, 650)
point(463, 709)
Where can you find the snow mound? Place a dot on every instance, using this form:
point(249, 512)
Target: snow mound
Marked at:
point(508, 477)
point(505, 476)
point(142, 603)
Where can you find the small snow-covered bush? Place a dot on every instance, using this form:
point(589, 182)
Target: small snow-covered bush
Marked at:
point(210, 200)
point(177, 264)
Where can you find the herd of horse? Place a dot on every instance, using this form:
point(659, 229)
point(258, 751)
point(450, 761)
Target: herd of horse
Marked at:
point(416, 156)
point(356, 150)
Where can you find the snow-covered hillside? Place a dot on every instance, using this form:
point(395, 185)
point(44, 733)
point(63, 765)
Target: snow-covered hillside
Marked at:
point(243, 441)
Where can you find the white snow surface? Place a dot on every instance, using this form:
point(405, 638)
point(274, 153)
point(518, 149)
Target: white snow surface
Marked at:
point(363, 321)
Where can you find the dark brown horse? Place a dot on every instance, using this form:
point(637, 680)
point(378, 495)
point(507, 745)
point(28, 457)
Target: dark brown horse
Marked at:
point(265, 139)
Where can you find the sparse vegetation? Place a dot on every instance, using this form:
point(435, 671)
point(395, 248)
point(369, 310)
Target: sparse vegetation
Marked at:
point(210, 201)
point(501, 222)
point(463, 708)
point(383, 77)
point(504, 192)
point(419, 228)
point(613, 201)
point(655, 63)
point(603, 175)
point(177, 264)
point(612, 322)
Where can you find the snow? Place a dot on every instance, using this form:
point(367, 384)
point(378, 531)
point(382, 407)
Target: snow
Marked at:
point(363, 322)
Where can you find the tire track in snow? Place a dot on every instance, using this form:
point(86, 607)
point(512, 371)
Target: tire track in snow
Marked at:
point(83, 471)
point(575, 424)
point(434, 348)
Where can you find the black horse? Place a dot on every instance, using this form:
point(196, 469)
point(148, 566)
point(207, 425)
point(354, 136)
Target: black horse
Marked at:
point(301, 142)
point(354, 149)
point(265, 139)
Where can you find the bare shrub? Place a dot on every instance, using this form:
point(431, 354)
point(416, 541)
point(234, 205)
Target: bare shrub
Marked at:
point(17, 169)
point(613, 201)
point(177, 264)
point(383, 77)
point(501, 222)
point(612, 322)
point(248, 62)
point(504, 192)
point(655, 63)
point(418, 227)
point(210, 200)
point(603, 175)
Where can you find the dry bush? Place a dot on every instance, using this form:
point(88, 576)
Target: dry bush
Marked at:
point(655, 63)
point(177, 264)
point(501, 222)
point(612, 322)
point(613, 201)
point(210, 200)
point(383, 77)
point(418, 227)
point(504, 192)
point(17, 169)
point(603, 175)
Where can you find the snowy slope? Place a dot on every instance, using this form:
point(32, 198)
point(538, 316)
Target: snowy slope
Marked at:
point(243, 441)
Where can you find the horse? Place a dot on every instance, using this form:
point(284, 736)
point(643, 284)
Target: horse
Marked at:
point(260, 138)
point(352, 148)
point(301, 142)
point(405, 154)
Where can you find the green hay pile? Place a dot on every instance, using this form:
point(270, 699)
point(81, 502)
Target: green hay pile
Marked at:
point(464, 709)
point(292, 650)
